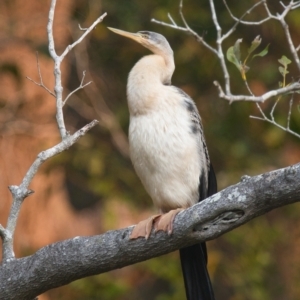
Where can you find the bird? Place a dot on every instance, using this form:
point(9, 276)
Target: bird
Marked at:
point(168, 152)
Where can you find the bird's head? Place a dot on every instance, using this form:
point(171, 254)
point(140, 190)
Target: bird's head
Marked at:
point(153, 41)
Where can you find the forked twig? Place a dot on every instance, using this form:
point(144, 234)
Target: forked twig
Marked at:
point(81, 86)
point(41, 83)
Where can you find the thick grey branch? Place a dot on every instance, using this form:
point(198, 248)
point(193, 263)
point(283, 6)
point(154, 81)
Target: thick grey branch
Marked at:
point(60, 263)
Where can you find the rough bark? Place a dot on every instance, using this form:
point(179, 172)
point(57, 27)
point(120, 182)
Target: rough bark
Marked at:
point(60, 263)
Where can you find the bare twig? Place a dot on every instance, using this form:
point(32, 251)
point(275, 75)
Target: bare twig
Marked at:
point(290, 111)
point(81, 86)
point(57, 73)
point(272, 121)
point(290, 42)
point(20, 192)
point(240, 20)
point(232, 98)
point(188, 30)
point(261, 111)
point(41, 83)
point(87, 31)
point(248, 88)
point(171, 19)
point(273, 108)
point(277, 125)
point(57, 62)
point(81, 28)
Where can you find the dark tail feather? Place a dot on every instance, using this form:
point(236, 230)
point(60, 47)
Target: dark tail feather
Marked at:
point(194, 258)
point(196, 278)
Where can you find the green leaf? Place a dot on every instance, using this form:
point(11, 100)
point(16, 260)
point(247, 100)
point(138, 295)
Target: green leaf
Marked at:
point(236, 50)
point(232, 57)
point(256, 42)
point(284, 61)
point(283, 71)
point(263, 52)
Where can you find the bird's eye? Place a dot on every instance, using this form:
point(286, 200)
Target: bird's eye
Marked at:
point(144, 35)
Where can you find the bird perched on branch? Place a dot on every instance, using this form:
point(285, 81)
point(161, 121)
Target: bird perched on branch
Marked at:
point(168, 151)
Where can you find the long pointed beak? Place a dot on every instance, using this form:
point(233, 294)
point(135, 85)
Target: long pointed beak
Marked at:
point(134, 36)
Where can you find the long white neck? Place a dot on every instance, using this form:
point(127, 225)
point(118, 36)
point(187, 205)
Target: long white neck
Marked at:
point(146, 80)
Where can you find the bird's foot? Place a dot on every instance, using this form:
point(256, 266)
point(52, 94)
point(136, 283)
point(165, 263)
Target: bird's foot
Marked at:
point(143, 228)
point(159, 222)
point(165, 222)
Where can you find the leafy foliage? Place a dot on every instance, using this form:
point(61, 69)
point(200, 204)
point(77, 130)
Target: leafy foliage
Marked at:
point(284, 61)
point(234, 55)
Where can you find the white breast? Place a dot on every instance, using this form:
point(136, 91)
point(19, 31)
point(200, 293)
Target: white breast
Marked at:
point(164, 151)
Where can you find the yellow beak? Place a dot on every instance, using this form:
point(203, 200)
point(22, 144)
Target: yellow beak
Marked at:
point(134, 36)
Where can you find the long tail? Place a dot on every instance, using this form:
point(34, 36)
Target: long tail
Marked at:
point(194, 258)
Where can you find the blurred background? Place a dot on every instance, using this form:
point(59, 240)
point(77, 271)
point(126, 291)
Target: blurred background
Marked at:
point(92, 187)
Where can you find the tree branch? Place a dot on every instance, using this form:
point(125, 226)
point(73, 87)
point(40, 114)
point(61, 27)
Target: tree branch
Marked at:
point(81, 86)
point(57, 62)
point(232, 98)
point(60, 263)
point(20, 192)
point(41, 83)
point(280, 17)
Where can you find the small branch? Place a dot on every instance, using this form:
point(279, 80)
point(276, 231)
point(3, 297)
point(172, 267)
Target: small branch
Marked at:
point(219, 47)
point(272, 119)
point(261, 111)
point(57, 62)
point(219, 51)
point(19, 193)
point(49, 29)
point(171, 19)
point(239, 21)
point(232, 98)
point(81, 28)
point(77, 89)
point(290, 112)
point(252, 23)
point(182, 16)
point(87, 31)
point(290, 42)
point(248, 88)
point(295, 6)
point(57, 73)
point(41, 83)
point(62, 146)
point(277, 125)
point(186, 29)
point(273, 108)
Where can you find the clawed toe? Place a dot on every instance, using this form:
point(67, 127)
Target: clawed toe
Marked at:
point(159, 222)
